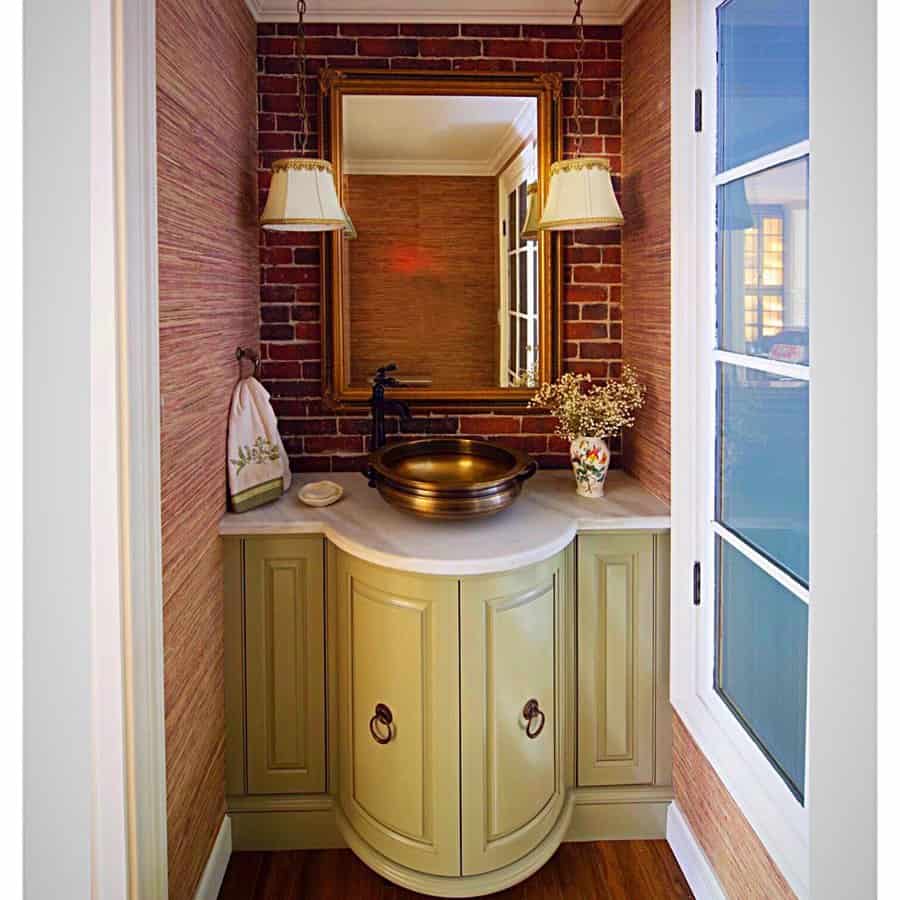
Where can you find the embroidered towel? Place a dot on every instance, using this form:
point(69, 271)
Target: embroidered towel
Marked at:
point(258, 467)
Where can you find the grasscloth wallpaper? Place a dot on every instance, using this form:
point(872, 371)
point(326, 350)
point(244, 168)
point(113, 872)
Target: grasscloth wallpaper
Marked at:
point(291, 320)
point(208, 304)
point(646, 148)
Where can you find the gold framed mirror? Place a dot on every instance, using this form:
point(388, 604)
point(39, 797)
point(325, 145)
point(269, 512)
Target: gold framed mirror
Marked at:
point(433, 169)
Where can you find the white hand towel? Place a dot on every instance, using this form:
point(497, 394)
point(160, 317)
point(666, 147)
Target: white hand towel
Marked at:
point(258, 467)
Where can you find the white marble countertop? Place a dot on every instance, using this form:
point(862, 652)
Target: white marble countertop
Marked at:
point(543, 520)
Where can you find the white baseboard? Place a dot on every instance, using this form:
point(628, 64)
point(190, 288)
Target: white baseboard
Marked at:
point(214, 873)
point(694, 864)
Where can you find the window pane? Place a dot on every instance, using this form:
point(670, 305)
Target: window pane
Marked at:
point(762, 243)
point(523, 205)
point(763, 78)
point(511, 219)
point(761, 660)
point(763, 464)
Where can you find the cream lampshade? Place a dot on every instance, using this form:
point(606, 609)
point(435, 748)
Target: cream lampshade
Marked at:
point(533, 216)
point(581, 196)
point(302, 197)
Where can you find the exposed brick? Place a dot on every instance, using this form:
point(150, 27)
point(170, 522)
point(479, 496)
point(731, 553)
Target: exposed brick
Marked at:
point(276, 332)
point(319, 438)
point(597, 350)
point(334, 444)
point(449, 47)
point(483, 65)
point(369, 29)
point(307, 331)
point(490, 424)
point(387, 47)
point(575, 331)
point(429, 30)
point(329, 46)
point(275, 313)
point(512, 49)
point(538, 424)
point(505, 31)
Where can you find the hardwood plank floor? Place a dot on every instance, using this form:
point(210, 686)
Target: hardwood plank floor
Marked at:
point(607, 870)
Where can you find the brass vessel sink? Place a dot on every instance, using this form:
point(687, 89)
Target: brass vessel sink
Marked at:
point(449, 478)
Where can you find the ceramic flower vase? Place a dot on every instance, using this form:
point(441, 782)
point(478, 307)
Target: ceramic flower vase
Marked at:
point(590, 462)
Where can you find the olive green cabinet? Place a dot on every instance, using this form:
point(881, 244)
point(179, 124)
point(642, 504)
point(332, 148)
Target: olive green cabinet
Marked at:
point(451, 730)
point(622, 622)
point(512, 689)
point(398, 698)
point(276, 640)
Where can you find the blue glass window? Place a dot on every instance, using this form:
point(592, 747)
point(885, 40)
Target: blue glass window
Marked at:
point(761, 660)
point(763, 464)
point(762, 290)
point(763, 96)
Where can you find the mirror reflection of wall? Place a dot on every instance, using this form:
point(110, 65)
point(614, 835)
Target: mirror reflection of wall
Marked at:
point(437, 279)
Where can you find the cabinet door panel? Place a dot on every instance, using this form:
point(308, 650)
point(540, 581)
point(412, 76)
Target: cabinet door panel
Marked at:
point(285, 633)
point(398, 646)
point(512, 646)
point(615, 659)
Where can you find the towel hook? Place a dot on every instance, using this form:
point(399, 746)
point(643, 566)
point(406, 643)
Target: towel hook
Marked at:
point(248, 353)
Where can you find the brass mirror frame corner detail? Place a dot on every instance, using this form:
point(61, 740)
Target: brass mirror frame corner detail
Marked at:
point(546, 88)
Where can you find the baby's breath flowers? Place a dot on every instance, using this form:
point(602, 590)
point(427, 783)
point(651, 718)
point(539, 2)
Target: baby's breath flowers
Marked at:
point(586, 409)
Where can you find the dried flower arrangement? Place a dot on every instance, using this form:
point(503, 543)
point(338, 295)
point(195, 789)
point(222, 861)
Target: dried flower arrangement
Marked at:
point(586, 409)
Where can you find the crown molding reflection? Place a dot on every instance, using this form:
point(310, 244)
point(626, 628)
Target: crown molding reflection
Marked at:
point(519, 12)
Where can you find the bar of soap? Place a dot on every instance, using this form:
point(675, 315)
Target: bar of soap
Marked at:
point(320, 493)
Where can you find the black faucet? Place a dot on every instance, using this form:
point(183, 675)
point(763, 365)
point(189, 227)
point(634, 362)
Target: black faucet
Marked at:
point(380, 405)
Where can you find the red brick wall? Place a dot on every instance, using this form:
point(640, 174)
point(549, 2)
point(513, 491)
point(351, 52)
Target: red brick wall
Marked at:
point(317, 438)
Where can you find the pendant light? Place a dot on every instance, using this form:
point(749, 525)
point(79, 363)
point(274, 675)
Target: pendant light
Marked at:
point(302, 194)
point(581, 193)
point(531, 230)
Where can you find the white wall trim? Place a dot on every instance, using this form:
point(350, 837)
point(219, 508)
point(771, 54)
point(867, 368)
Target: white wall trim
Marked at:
point(690, 856)
point(214, 871)
point(140, 412)
point(528, 12)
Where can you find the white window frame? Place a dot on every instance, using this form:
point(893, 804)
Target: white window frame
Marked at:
point(779, 819)
point(523, 167)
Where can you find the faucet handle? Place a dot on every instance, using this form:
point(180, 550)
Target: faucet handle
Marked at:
point(382, 377)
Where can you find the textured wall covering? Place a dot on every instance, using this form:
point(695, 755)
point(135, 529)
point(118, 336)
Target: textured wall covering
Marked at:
point(742, 865)
point(291, 315)
point(646, 138)
point(208, 295)
point(428, 255)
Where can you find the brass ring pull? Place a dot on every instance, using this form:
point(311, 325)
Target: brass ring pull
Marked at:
point(383, 716)
point(532, 712)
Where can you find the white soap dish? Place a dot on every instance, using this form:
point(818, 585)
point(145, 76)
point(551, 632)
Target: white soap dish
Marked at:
point(320, 493)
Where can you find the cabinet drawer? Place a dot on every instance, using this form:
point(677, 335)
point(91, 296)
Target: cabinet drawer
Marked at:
point(285, 665)
point(615, 659)
point(511, 642)
point(398, 651)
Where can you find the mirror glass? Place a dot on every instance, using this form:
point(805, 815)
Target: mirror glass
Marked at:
point(438, 279)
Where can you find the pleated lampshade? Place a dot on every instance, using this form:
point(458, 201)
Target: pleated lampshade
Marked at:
point(302, 197)
point(533, 215)
point(581, 196)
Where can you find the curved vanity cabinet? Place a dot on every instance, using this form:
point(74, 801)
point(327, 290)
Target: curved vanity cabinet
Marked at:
point(398, 701)
point(512, 693)
point(452, 712)
point(450, 701)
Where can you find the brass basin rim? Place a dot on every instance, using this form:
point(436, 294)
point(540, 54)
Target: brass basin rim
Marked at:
point(520, 463)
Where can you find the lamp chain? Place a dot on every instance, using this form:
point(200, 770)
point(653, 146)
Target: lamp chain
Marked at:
point(578, 21)
point(301, 75)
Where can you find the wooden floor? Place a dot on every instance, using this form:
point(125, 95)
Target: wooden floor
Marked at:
point(611, 870)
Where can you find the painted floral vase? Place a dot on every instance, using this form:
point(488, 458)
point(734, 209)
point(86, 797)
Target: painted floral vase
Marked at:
point(590, 462)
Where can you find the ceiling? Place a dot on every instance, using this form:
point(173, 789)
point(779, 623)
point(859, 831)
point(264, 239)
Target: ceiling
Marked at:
point(558, 12)
point(428, 135)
